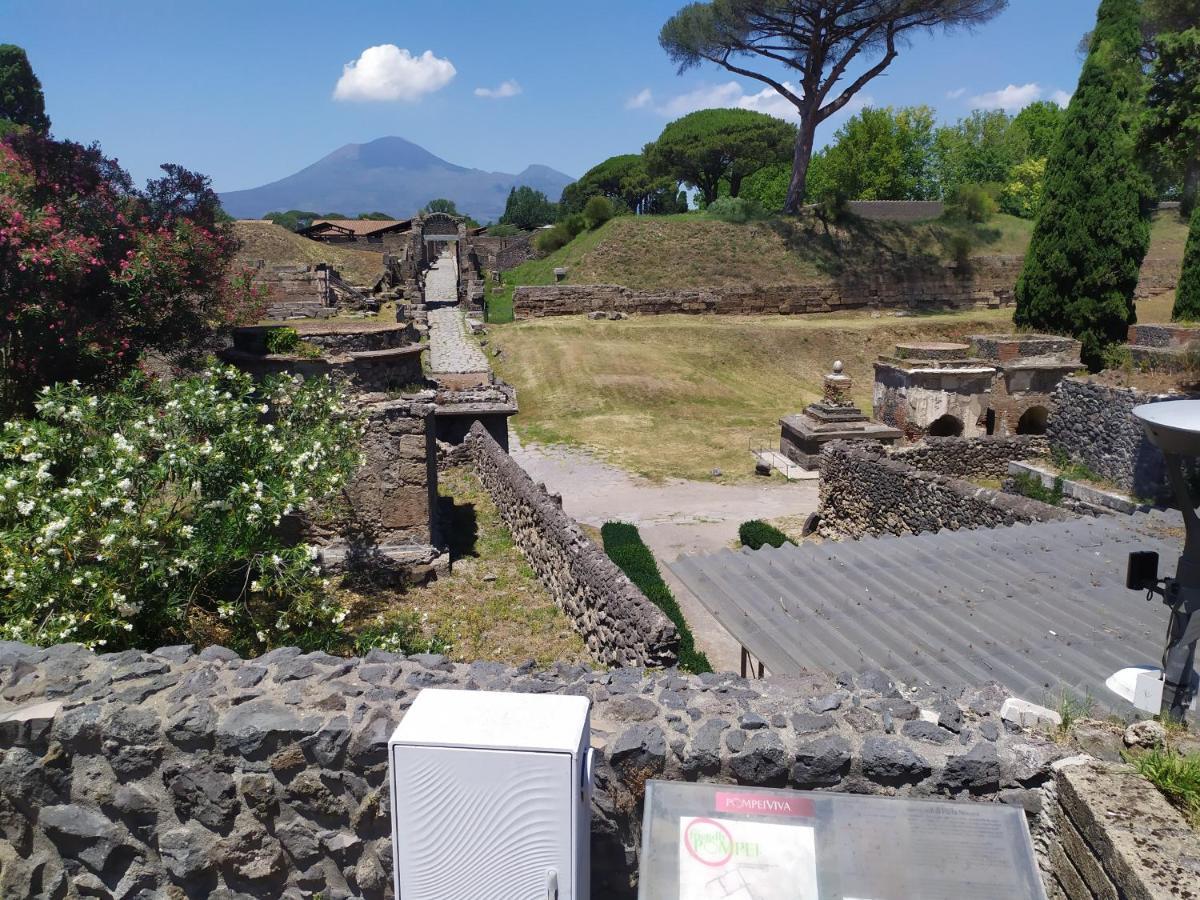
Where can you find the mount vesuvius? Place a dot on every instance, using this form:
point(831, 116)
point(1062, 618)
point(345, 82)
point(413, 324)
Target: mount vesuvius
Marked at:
point(389, 175)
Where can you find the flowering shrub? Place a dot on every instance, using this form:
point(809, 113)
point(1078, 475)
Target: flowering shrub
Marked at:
point(151, 513)
point(93, 273)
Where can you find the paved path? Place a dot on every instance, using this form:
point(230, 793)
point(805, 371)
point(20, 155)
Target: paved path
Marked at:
point(441, 281)
point(675, 517)
point(451, 351)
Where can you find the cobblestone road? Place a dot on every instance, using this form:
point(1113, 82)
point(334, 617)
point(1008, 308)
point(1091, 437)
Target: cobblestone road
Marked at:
point(451, 350)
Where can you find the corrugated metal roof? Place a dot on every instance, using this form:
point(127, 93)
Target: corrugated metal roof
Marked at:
point(1039, 608)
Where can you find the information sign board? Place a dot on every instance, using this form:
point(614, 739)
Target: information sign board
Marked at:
point(722, 842)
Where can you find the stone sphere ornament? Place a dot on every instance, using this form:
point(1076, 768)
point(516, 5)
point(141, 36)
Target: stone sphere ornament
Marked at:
point(837, 367)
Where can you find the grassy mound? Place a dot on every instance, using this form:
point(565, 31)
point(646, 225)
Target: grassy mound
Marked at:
point(625, 547)
point(693, 251)
point(280, 247)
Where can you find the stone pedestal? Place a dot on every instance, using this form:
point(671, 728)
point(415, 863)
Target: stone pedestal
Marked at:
point(835, 418)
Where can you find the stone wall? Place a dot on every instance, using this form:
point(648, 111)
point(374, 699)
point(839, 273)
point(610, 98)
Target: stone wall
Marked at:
point(864, 492)
point(981, 457)
point(499, 254)
point(1093, 423)
point(182, 775)
point(988, 282)
point(369, 370)
point(1118, 837)
point(384, 524)
point(620, 625)
point(897, 210)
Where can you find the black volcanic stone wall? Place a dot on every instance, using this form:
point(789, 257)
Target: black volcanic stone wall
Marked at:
point(181, 774)
point(620, 625)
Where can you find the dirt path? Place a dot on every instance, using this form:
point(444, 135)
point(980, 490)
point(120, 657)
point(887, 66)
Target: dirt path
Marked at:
point(674, 516)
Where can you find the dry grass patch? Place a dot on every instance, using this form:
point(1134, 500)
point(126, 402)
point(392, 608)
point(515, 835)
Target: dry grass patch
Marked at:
point(280, 247)
point(491, 607)
point(677, 396)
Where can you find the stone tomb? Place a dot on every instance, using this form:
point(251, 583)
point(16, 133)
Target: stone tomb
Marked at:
point(997, 384)
point(834, 418)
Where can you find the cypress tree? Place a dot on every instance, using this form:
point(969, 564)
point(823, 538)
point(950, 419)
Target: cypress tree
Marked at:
point(1187, 295)
point(21, 101)
point(1093, 228)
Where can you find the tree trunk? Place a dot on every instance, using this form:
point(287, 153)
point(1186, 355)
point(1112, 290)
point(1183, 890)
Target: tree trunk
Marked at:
point(735, 185)
point(801, 156)
point(1191, 186)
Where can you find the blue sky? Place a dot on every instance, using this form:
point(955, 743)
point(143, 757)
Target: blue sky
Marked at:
point(245, 91)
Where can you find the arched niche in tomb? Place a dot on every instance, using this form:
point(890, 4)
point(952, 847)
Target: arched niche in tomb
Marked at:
point(1033, 420)
point(945, 426)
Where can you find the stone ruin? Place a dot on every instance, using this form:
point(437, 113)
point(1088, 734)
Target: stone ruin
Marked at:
point(834, 418)
point(385, 523)
point(996, 384)
point(313, 292)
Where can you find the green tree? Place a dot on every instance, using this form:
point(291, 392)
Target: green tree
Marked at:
point(706, 147)
point(375, 217)
point(1093, 229)
point(21, 100)
point(980, 149)
point(880, 154)
point(820, 40)
point(768, 186)
point(598, 211)
point(1036, 128)
point(528, 209)
point(1022, 193)
point(625, 181)
point(1172, 128)
point(441, 205)
point(1187, 294)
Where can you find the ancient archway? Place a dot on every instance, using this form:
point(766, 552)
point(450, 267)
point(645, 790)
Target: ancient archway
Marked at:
point(1033, 420)
point(945, 426)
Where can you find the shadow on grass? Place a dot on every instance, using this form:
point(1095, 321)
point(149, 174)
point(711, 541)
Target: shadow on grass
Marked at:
point(843, 246)
point(460, 527)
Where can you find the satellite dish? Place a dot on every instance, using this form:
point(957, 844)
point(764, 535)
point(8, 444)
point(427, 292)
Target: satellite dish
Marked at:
point(1172, 426)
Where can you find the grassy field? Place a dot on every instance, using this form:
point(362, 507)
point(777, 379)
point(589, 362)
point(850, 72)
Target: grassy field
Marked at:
point(681, 395)
point(280, 247)
point(491, 607)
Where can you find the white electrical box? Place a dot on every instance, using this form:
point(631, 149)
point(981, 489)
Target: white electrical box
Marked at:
point(491, 797)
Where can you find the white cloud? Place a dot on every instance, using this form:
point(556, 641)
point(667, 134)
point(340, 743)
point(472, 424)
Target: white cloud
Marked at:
point(1009, 99)
point(707, 97)
point(505, 89)
point(1062, 98)
point(956, 93)
point(640, 100)
point(388, 72)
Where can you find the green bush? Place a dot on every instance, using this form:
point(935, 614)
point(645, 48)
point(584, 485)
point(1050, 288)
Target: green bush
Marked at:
point(756, 534)
point(552, 239)
point(575, 224)
point(738, 210)
point(598, 211)
point(1031, 486)
point(282, 340)
point(973, 202)
point(150, 515)
point(625, 547)
point(504, 230)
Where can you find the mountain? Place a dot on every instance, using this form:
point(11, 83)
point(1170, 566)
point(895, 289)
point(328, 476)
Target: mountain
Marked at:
point(391, 175)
